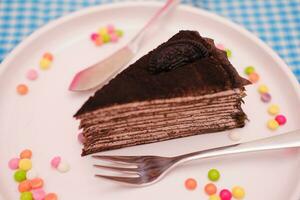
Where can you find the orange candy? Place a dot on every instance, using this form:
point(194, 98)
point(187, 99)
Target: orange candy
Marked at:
point(190, 184)
point(51, 196)
point(253, 77)
point(48, 56)
point(24, 186)
point(26, 154)
point(36, 183)
point(22, 89)
point(99, 41)
point(210, 189)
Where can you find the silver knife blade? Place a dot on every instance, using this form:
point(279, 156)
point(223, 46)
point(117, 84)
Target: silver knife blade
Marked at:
point(99, 74)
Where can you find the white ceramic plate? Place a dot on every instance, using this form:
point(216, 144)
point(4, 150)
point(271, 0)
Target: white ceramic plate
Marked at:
point(42, 120)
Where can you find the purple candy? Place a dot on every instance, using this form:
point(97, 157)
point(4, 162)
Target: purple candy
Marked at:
point(266, 97)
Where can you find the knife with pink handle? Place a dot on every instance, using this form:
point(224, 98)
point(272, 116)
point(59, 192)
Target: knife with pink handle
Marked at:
point(100, 73)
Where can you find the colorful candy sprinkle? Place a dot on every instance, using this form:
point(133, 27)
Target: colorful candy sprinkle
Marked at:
point(263, 89)
point(249, 70)
point(26, 196)
point(38, 194)
point(36, 183)
point(234, 136)
point(273, 109)
point(32, 74)
point(114, 37)
point(213, 175)
point(272, 124)
point(24, 186)
point(254, 77)
point(13, 163)
point(31, 174)
point(99, 41)
point(48, 56)
point(22, 89)
point(210, 189)
point(20, 175)
point(265, 97)
point(55, 161)
point(94, 36)
point(238, 192)
point(214, 197)
point(228, 53)
point(119, 33)
point(51, 196)
point(220, 46)
point(106, 38)
point(26, 154)
point(190, 184)
point(103, 31)
point(110, 28)
point(281, 119)
point(25, 164)
point(45, 64)
point(225, 194)
point(63, 167)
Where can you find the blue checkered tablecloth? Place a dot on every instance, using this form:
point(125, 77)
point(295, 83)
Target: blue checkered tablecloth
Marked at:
point(277, 22)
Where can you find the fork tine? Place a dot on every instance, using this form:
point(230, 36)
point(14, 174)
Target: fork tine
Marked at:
point(118, 169)
point(128, 180)
point(123, 159)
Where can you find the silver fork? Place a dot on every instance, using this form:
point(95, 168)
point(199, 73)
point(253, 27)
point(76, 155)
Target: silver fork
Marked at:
point(147, 170)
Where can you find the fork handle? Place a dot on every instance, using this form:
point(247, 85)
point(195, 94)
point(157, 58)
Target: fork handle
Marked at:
point(287, 140)
point(134, 44)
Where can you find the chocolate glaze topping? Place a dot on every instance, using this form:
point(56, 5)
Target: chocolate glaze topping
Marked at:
point(175, 54)
point(186, 65)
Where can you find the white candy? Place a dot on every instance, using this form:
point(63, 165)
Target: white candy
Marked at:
point(63, 167)
point(235, 136)
point(31, 174)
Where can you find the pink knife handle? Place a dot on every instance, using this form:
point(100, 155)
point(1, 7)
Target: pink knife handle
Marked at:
point(134, 44)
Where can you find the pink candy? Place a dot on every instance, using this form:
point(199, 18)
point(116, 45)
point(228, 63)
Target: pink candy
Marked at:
point(13, 163)
point(80, 138)
point(38, 194)
point(225, 194)
point(220, 46)
point(94, 36)
point(281, 119)
point(110, 28)
point(55, 161)
point(32, 74)
point(114, 37)
point(265, 97)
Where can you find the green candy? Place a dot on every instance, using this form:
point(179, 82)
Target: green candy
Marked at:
point(119, 33)
point(26, 196)
point(213, 175)
point(229, 53)
point(106, 38)
point(20, 175)
point(249, 70)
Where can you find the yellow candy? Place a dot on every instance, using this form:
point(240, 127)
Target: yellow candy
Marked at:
point(263, 89)
point(25, 164)
point(103, 31)
point(273, 109)
point(45, 64)
point(238, 192)
point(272, 124)
point(214, 197)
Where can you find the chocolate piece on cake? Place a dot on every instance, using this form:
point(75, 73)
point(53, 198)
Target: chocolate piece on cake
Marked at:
point(184, 87)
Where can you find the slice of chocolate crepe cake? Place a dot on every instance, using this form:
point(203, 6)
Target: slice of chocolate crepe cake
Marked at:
point(184, 87)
